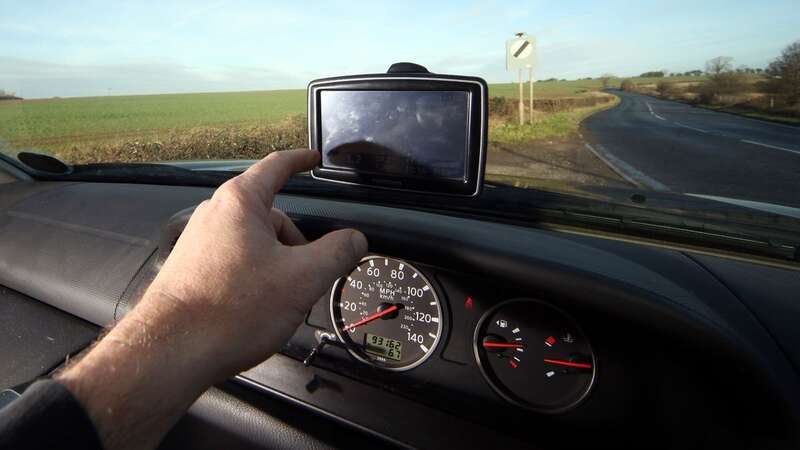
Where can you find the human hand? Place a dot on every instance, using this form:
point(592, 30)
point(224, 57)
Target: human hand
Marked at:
point(244, 273)
point(235, 287)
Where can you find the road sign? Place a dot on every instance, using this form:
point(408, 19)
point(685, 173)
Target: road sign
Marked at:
point(521, 52)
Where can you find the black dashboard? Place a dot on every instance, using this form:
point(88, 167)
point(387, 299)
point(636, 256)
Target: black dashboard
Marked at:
point(662, 347)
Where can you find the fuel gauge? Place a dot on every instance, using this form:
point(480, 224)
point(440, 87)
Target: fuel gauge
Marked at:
point(534, 355)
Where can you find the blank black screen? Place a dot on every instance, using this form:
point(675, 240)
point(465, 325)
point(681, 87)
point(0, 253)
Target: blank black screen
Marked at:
point(397, 133)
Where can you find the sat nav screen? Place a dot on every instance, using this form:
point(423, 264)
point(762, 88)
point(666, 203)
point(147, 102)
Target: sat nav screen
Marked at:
point(396, 133)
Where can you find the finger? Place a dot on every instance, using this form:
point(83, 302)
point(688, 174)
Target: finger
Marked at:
point(285, 229)
point(330, 257)
point(267, 176)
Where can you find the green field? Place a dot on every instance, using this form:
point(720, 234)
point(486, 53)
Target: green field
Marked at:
point(48, 122)
point(61, 124)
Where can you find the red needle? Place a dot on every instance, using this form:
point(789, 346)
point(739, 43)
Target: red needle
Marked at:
point(568, 363)
point(370, 318)
point(501, 345)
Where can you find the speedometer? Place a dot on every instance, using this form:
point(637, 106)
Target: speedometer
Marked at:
point(387, 313)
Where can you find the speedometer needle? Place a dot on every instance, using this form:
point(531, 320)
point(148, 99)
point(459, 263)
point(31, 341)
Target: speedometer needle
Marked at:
point(561, 362)
point(378, 315)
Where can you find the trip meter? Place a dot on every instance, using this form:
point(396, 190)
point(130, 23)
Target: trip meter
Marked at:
point(387, 313)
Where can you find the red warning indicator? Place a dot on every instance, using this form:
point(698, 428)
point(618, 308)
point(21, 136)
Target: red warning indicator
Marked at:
point(550, 341)
point(468, 303)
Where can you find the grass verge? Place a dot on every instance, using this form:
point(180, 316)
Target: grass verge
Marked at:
point(760, 115)
point(546, 126)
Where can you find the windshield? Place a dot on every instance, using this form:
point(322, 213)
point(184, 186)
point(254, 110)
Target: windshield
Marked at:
point(700, 99)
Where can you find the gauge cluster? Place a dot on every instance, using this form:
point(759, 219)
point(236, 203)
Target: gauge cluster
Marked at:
point(397, 321)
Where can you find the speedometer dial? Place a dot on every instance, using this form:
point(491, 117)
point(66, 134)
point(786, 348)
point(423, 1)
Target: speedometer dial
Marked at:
point(387, 313)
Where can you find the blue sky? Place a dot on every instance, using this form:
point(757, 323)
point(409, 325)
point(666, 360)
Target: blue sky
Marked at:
point(61, 48)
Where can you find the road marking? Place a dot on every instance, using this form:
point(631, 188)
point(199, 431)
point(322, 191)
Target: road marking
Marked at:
point(691, 128)
point(772, 146)
point(625, 170)
point(653, 113)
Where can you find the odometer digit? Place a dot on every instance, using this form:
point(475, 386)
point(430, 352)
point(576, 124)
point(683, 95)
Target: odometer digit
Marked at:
point(387, 313)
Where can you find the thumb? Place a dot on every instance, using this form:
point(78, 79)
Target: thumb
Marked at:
point(328, 258)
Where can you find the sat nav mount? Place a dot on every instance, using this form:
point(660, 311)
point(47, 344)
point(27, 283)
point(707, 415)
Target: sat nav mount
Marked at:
point(407, 130)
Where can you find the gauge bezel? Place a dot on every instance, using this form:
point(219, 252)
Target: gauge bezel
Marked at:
point(356, 354)
point(488, 376)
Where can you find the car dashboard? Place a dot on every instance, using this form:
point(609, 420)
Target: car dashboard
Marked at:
point(503, 336)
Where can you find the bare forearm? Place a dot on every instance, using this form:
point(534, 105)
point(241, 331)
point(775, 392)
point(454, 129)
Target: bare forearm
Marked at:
point(142, 376)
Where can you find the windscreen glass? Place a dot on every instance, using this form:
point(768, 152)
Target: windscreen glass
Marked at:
point(396, 133)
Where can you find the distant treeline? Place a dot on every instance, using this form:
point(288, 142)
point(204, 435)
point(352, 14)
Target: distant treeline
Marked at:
point(775, 90)
point(8, 96)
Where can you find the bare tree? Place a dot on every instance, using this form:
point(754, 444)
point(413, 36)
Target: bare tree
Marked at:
point(785, 72)
point(606, 79)
point(718, 65)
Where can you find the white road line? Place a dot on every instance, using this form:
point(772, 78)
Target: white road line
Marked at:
point(691, 128)
point(772, 146)
point(653, 113)
point(625, 170)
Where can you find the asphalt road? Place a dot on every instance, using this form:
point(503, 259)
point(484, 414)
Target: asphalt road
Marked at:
point(667, 145)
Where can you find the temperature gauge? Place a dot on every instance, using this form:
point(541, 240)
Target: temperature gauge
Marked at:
point(534, 355)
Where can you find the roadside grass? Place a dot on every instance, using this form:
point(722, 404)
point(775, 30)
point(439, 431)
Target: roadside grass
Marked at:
point(751, 100)
point(761, 115)
point(546, 126)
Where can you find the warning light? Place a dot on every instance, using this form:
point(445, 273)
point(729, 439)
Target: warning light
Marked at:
point(468, 303)
point(550, 341)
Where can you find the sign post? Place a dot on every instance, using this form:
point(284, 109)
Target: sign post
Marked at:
point(521, 100)
point(530, 98)
point(521, 54)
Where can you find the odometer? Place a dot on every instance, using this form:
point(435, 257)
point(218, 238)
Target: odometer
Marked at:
point(387, 313)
